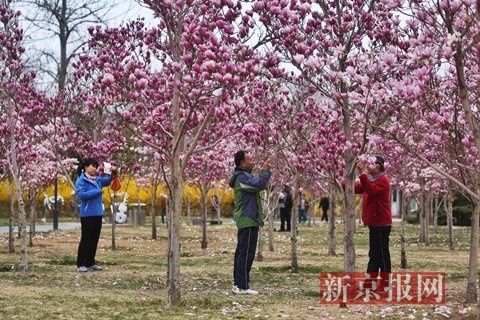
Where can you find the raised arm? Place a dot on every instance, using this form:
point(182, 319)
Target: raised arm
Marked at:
point(105, 181)
point(253, 184)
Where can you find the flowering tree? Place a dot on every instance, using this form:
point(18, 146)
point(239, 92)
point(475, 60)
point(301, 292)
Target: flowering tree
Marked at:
point(336, 47)
point(38, 169)
point(19, 98)
point(175, 87)
point(433, 99)
point(149, 170)
point(207, 169)
point(291, 128)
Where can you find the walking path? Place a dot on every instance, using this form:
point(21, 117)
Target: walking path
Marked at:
point(47, 227)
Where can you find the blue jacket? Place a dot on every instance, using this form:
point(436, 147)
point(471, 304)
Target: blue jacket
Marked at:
point(90, 195)
point(247, 210)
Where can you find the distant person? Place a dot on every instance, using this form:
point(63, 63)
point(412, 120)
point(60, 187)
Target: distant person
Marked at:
point(324, 205)
point(285, 203)
point(302, 208)
point(88, 189)
point(248, 217)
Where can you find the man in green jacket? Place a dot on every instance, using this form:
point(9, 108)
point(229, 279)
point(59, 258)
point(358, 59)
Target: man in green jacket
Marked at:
point(248, 216)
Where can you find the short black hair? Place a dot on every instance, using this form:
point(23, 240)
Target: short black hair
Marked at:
point(381, 162)
point(239, 157)
point(86, 163)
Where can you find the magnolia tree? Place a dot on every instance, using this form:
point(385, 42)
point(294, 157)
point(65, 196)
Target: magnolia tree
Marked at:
point(207, 169)
point(336, 47)
point(146, 169)
point(38, 169)
point(19, 99)
point(174, 83)
point(413, 180)
point(293, 130)
point(432, 101)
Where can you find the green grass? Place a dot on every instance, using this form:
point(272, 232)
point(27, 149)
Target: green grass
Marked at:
point(133, 283)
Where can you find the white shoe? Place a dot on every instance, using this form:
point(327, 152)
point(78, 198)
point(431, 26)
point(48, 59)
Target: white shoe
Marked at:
point(251, 291)
point(95, 267)
point(237, 290)
point(82, 269)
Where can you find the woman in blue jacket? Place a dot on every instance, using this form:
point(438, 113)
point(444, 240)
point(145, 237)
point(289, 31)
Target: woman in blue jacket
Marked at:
point(88, 189)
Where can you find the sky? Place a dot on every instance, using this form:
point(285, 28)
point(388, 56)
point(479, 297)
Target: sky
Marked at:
point(129, 10)
point(38, 39)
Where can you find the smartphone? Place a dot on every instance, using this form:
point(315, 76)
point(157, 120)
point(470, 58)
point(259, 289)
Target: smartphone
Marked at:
point(107, 168)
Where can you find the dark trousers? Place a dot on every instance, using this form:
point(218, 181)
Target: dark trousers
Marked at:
point(302, 215)
point(379, 250)
point(285, 216)
point(325, 214)
point(91, 227)
point(244, 255)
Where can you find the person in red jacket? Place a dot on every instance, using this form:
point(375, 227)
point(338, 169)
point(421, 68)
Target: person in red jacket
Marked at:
point(376, 212)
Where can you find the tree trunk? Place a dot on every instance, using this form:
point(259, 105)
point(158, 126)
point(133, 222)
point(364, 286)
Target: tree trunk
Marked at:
point(12, 159)
point(355, 218)
point(422, 238)
point(154, 212)
point(448, 205)
point(32, 208)
point(294, 228)
point(309, 223)
point(204, 200)
point(332, 242)
point(314, 218)
point(19, 230)
point(404, 208)
point(164, 209)
point(435, 215)
point(473, 257)
point(349, 214)
point(174, 223)
point(428, 214)
point(176, 185)
point(271, 221)
point(11, 214)
point(23, 231)
point(63, 37)
point(114, 221)
point(260, 245)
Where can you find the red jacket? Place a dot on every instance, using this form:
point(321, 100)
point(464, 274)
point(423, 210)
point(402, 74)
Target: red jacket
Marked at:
point(376, 205)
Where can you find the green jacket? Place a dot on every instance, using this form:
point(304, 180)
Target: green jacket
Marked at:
point(247, 210)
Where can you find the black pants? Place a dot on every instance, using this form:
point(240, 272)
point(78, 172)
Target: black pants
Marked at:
point(91, 227)
point(244, 255)
point(379, 252)
point(285, 216)
point(325, 214)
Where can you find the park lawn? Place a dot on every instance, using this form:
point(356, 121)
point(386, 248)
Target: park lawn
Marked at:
point(132, 285)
